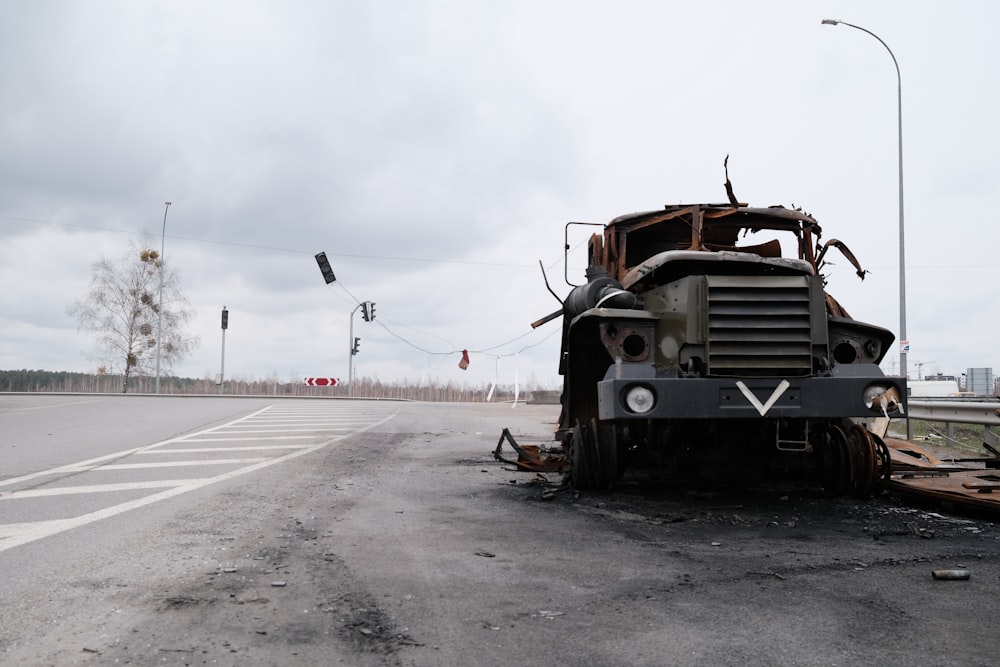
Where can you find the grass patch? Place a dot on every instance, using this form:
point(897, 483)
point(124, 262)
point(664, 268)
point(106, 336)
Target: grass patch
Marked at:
point(966, 440)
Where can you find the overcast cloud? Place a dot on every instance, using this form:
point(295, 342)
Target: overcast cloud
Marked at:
point(435, 149)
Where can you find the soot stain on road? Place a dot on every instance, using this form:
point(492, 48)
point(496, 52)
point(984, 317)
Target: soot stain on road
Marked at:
point(276, 591)
point(766, 525)
point(862, 566)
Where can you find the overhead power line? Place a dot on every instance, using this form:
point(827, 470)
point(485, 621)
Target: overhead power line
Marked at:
point(254, 246)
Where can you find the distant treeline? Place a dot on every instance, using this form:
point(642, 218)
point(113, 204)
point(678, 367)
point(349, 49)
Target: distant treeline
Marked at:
point(63, 381)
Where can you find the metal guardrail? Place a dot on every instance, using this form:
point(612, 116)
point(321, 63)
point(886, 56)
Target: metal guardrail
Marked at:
point(958, 411)
point(962, 412)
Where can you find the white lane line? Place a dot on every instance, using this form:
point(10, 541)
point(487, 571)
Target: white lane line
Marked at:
point(54, 405)
point(15, 534)
point(95, 462)
point(316, 420)
point(198, 450)
point(264, 428)
point(323, 429)
point(276, 419)
point(172, 464)
point(244, 438)
point(319, 416)
point(94, 488)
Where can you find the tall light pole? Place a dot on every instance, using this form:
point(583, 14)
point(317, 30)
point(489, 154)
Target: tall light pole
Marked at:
point(904, 343)
point(159, 308)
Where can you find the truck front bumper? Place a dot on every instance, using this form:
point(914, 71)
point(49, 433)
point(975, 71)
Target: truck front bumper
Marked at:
point(634, 392)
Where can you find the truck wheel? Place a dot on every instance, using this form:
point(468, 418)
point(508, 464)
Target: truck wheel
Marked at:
point(593, 457)
point(835, 458)
point(580, 463)
point(607, 452)
point(864, 460)
point(875, 460)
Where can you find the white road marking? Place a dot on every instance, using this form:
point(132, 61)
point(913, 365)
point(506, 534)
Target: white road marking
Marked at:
point(241, 438)
point(94, 488)
point(197, 450)
point(16, 534)
point(327, 429)
point(95, 462)
point(54, 405)
point(175, 464)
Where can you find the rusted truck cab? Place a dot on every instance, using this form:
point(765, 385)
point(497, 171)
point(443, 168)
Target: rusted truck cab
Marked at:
point(704, 344)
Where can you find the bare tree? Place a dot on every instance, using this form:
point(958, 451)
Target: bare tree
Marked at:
point(123, 311)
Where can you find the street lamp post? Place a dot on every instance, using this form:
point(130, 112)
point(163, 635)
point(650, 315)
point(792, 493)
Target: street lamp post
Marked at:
point(903, 342)
point(159, 308)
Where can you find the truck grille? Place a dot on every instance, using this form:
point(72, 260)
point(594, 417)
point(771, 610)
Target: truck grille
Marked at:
point(759, 326)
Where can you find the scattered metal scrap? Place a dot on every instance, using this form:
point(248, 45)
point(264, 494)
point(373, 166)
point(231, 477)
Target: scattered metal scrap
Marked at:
point(531, 458)
point(967, 483)
point(955, 575)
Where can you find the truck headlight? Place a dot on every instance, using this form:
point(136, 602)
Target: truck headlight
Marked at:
point(639, 399)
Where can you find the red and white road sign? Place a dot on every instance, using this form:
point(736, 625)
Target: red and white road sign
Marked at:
point(322, 382)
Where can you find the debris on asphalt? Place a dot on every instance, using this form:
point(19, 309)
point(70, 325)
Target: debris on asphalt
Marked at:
point(531, 458)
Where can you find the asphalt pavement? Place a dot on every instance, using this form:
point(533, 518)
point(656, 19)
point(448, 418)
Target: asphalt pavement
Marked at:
point(400, 541)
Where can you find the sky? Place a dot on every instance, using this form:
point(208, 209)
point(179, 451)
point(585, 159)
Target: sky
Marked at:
point(436, 149)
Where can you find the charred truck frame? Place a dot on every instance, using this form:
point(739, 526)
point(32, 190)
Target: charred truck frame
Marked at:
point(696, 348)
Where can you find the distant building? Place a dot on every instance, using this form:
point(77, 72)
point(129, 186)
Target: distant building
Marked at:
point(932, 388)
point(979, 381)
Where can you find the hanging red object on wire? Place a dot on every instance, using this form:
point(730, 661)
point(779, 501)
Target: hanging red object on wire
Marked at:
point(464, 363)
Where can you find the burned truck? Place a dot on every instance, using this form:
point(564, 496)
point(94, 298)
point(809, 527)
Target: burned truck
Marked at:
point(704, 345)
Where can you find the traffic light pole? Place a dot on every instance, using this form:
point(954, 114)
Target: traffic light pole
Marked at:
point(368, 313)
point(352, 350)
point(222, 366)
point(367, 309)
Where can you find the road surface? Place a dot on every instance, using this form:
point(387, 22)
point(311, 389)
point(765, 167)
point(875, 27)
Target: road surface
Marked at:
point(298, 532)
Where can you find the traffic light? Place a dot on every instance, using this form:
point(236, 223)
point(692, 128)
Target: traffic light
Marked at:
point(371, 310)
point(324, 266)
point(357, 344)
point(225, 318)
point(364, 312)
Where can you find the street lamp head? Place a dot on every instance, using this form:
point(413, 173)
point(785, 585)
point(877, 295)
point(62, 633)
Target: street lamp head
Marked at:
point(168, 203)
point(831, 22)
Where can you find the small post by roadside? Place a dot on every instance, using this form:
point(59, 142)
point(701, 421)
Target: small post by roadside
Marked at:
point(222, 369)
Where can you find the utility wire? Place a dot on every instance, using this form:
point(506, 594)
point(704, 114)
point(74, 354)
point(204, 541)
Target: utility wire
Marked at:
point(356, 301)
point(454, 350)
point(429, 260)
